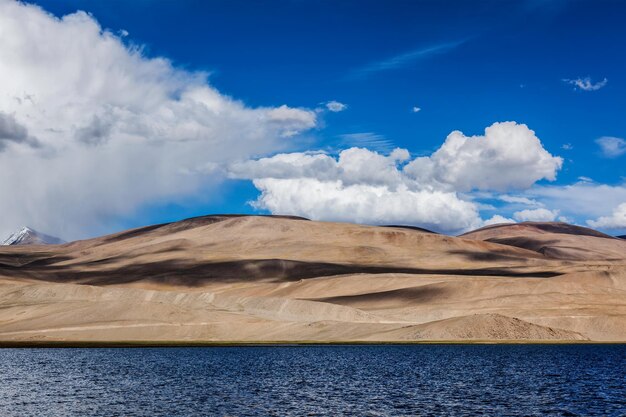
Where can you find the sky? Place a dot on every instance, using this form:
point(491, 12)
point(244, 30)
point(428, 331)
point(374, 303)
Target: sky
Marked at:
point(445, 115)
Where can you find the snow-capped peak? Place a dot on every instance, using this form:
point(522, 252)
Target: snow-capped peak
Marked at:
point(28, 236)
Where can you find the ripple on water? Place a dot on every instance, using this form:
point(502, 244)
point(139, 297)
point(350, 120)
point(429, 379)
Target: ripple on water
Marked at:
point(428, 380)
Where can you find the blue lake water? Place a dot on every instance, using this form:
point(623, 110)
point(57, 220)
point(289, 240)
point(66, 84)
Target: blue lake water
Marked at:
point(425, 380)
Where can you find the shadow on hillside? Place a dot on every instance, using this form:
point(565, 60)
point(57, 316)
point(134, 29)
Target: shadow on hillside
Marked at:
point(391, 298)
point(108, 272)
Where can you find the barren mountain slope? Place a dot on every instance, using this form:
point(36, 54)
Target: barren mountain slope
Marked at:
point(219, 249)
point(554, 240)
point(252, 278)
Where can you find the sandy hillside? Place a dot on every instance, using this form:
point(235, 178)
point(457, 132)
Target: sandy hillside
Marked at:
point(555, 240)
point(253, 278)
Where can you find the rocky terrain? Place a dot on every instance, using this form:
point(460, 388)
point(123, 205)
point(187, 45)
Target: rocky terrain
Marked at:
point(287, 279)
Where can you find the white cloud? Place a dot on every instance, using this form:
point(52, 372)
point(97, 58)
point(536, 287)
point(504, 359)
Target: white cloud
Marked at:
point(359, 185)
point(283, 166)
point(416, 109)
point(353, 166)
point(536, 215)
point(364, 203)
point(519, 200)
point(611, 147)
point(497, 219)
point(335, 106)
point(579, 203)
point(584, 199)
point(365, 186)
point(507, 156)
point(91, 129)
point(586, 84)
point(617, 219)
point(567, 146)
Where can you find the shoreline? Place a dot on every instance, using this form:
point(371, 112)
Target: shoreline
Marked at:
point(301, 343)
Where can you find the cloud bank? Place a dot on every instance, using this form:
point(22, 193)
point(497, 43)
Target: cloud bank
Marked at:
point(368, 187)
point(92, 129)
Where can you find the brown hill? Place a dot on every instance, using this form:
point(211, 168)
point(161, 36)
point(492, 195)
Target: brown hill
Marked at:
point(554, 240)
point(254, 278)
point(487, 327)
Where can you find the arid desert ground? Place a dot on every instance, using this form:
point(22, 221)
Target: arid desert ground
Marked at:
point(286, 279)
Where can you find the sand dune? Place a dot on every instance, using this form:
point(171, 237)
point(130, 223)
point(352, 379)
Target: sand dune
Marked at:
point(254, 278)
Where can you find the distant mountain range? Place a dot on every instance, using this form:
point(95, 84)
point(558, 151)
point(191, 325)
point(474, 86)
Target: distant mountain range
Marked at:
point(28, 236)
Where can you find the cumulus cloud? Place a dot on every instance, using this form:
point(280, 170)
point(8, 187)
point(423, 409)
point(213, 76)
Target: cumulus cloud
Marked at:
point(353, 166)
point(92, 129)
point(335, 106)
point(586, 84)
point(617, 220)
point(536, 215)
point(359, 185)
point(497, 219)
point(416, 109)
point(507, 156)
point(611, 147)
point(363, 203)
point(366, 186)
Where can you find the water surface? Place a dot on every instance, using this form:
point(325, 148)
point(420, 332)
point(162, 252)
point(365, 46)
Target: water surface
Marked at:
point(427, 380)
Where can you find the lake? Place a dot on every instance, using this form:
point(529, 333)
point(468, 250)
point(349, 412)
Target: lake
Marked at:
point(385, 380)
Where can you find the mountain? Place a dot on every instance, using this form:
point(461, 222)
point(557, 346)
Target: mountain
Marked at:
point(538, 228)
point(282, 279)
point(555, 240)
point(28, 236)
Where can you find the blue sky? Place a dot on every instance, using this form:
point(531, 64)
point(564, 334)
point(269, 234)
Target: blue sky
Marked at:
point(465, 65)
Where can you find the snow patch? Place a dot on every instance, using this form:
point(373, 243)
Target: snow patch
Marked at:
point(28, 236)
